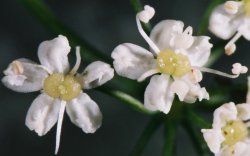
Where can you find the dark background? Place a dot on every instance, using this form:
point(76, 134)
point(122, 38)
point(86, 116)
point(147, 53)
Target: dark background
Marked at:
point(105, 24)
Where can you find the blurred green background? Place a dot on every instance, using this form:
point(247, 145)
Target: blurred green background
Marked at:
point(104, 24)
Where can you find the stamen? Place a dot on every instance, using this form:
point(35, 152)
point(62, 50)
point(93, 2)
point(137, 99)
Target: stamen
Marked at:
point(78, 61)
point(145, 36)
point(59, 125)
point(230, 47)
point(146, 14)
point(147, 74)
point(231, 7)
point(243, 70)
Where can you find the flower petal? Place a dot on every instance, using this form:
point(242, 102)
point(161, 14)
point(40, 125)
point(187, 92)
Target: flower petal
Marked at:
point(214, 138)
point(132, 61)
point(163, 33)
point(84, 113)
point(223, 114)
point(189, 91)
point(42, 114)
point(223, 24)
point(23, 75)
point(158, 95)
point(239, 149)
point(53, 54)
point(96, 74)
point(243, 111)
point(199, 51)
point(244, 28)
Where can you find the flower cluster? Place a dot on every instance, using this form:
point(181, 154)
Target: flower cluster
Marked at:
point(175, 61)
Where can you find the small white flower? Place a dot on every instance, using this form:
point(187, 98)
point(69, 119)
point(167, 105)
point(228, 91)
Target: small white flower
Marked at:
point(60, 88)
point(231, 19)
point(229, 135)
point(176, 55)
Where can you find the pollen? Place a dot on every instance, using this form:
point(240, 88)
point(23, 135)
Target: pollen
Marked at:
point(62, 86)
point(234, 131)
point(173, 64)
point(246, 4)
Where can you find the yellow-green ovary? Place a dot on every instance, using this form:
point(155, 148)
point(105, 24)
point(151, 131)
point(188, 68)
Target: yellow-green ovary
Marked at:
point(174, 64)
point(62, 86)
point(246, 4)
point(234, 131)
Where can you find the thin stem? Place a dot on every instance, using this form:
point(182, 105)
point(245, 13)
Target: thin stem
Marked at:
point(127, 99)
point(198, 120)
point(204, 22)
point(195, 135)
point(41, 11)
point(146, 135)
point(137, 6)
point(170, 135)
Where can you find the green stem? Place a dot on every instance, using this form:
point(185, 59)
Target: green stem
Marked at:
point(198, 120)
point(137, 6)
point(41, 11)
point(205, 20)
point(149, 130)
point(170, 135)
point(127, 99)
point(196, 137)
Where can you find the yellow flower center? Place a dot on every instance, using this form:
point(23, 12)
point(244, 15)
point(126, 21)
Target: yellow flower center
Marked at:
point(170, 63)
point(62, 86)
point(234, 131)
point(246, 4)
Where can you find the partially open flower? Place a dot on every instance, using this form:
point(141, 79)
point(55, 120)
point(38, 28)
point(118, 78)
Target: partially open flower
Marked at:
point(177, 58)
point(61, 89)
point(231, 19)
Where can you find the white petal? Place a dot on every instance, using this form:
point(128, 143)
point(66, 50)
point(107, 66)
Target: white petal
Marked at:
point(180, 88)
point(96, 74)
point(158, 95)
point(244, 28)
point(223, 114)
point(84, 113)
point(132, 61)
point(23, 75)
point(214, 138)
point(222, 24)
point(53, 54)
point(192, 90)
point(42, 114)
point(243, 111)
point(163, 33)
point(199, 52)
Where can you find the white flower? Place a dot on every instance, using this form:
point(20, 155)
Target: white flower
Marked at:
point(231, 19)
point(177, 56)
point(60, 88)
point(229, 135)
